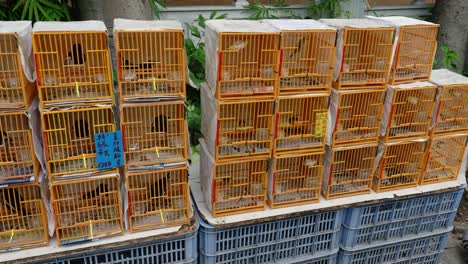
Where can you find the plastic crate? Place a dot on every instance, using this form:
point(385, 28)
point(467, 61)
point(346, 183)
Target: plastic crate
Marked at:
point(295, 179)
point(23, 218)
point(314, 237)
point(400, 165)
point(307, 50)
point(242, 58)
point(69, 139)
point(177, 249)
point(425, 250)
point(408, 111)
point(348, 171)
point(15, 88)
point(355, 117)
point(72, 63)
point(364, 51)
point(87, 209)
point(393, 221)
point(301, 123)
point(451, 115)
point(154, 133)
point(18, 162)
point(444, 158)
point(150, 58)
point(157, 198)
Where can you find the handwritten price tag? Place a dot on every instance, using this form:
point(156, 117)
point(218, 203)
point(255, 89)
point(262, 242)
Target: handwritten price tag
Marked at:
point(109, 150)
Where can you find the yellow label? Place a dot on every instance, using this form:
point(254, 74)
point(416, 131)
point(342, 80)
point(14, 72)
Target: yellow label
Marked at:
point(162, 216)
point(12, 234)
point(77, 89)
point(84, 162)
point(154, 84)
point(91, 229)
point(157, 152)
point(320, 123)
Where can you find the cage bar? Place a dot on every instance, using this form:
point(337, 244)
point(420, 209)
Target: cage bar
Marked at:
point(363, 53)
point(72, 63)
point(348, 171)
point(23, 219)
point(237, 129)
point(399, 165)
point(307, 50)
point(150, 58)
point(242, 58)
point(451, 110)
point(355, 117)
point(158, 198)
point(18, 162)
point(233, 187)
point(301, 123)
point(154, 133)
point(414, 48)
point(295, 179)
point(86, 209)
point(16, 91)
point(408, 111)
point(444, 158)
point(69, 139)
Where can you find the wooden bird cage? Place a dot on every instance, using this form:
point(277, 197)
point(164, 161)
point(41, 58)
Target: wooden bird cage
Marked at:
point(295, 179)
point(233, 187)
point(86, 209)
point(348, 171)
point(150, 58)
point(158, 198)
point(451, 109)
point(307, 50)
point(69, 139)
point(18, 161)
point(23, 218)
point(72, 63)
point(444, 158)
point(242, 58)
point(415, 45)
point(15, 88)
point(364, 52)
point(154, 133)
point(301, 123)
point(237, 129)
point(400, 165)
point(408, 111)
point(356, 117)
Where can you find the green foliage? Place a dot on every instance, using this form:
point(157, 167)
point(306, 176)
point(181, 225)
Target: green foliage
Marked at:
point(327, 8)
point(259, 11)
point(40, 10)
point(450, 57)
point(195, 48)
point(193, 115)
point(156, 6)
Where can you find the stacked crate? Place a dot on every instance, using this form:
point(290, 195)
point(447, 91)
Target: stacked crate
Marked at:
point(307, 50)
point(362, 62)
point(23, 220)
point(74, 80)
point(152, 72)
point(238, 114)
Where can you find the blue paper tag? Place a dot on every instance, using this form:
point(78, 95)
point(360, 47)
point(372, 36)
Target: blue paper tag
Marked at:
point(109, 150)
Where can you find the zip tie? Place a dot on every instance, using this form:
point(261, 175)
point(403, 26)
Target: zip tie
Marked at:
point(77, 89)
point(84, 161)
point(154, 84)
point(91, 228)
point(157, 152)
point(12, 233)
point(161, 214)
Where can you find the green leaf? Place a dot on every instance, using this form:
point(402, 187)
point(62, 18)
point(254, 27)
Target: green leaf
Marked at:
point(213, 14)
point(195, 32)
point(201, 21)
point(222, 16)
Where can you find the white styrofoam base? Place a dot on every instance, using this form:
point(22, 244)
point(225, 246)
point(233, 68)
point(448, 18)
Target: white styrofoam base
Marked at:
point(198, 196)
point(53, 248)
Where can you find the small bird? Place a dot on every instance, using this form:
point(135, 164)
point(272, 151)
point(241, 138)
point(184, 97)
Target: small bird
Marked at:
point(81, 129)
point(76, 56)
point(299, 47)
point(158, 190)
point(159, 124)
point(12, 200)
point(102, 188)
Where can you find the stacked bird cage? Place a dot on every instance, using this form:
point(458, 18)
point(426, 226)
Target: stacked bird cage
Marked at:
point(414, 48)
point(446, 150)
point(362, 62)
point(23, 218)
point(152, 72)
point(238, 104)
point(75, 89)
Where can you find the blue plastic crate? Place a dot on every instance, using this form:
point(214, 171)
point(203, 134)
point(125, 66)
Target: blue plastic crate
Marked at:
point(427, 250)
point(402, 219)
point(180, 249)
point(281, 241)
